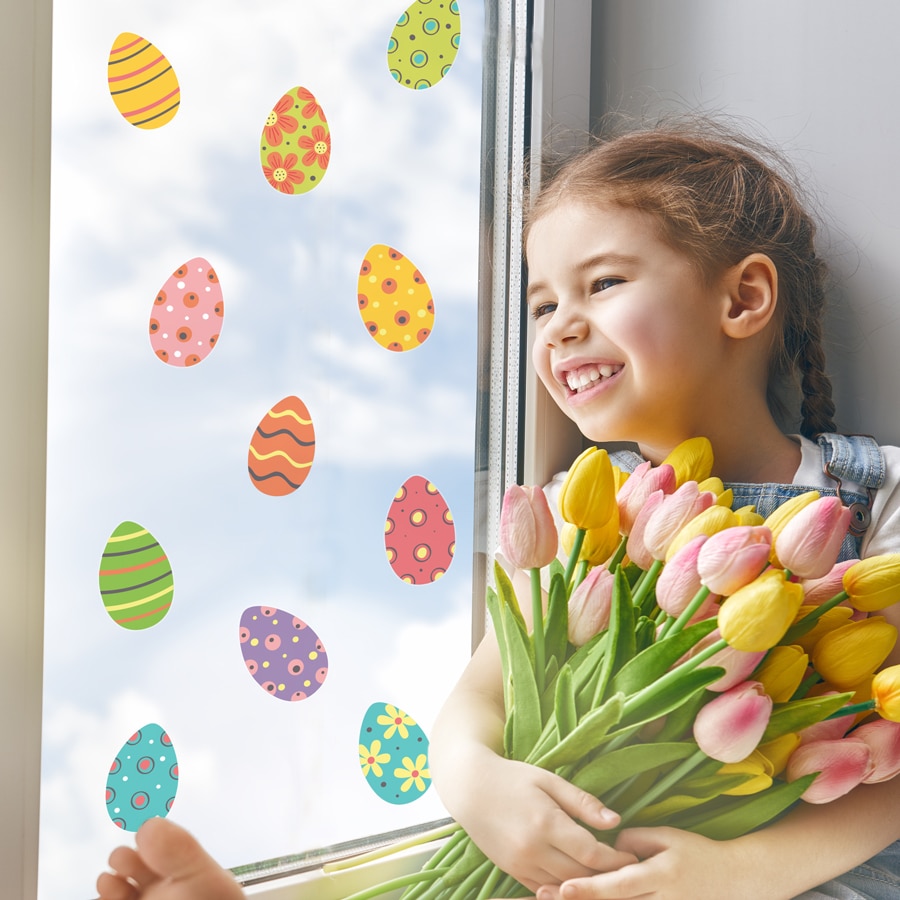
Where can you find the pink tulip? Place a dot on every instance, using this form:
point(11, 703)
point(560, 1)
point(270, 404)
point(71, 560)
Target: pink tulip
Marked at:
point(642, 482)
point(883, 740)
point(670, 516)
point(841, 765)
point(636, 549)
point(810, 542)
point(528, 537)
point(734, 557)
point(589, 605)
point(817, 590)
point(730, 727)
point(679, 582)
point(738, 664)
point(828, 729)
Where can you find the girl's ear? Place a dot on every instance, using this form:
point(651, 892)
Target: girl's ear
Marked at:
point(752, 289)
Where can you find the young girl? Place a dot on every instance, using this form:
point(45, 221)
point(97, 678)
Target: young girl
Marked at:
point(674, 284)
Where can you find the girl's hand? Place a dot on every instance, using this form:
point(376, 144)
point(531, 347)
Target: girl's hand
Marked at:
point(522, 818)
point(674, 865)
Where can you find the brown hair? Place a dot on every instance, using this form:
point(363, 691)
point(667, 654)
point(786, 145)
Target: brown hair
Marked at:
point(720, 196)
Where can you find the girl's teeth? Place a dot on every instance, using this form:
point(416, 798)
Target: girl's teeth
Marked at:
point(606, 371)
point(577, 382)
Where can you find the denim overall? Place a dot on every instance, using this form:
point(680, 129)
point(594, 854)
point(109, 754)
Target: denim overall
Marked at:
point(852, 459)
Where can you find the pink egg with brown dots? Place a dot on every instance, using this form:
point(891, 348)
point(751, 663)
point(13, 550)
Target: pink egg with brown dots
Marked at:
point(187, 314)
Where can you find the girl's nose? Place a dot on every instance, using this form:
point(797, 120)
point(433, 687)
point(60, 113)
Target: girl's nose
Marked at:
point(565, 326)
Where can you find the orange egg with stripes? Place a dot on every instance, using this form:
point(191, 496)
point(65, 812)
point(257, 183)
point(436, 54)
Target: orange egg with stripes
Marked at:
point(282, 448)
point(142, 82)
point(136, 582)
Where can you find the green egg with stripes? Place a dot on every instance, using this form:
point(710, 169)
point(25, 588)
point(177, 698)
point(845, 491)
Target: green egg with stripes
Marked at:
point(136, 583)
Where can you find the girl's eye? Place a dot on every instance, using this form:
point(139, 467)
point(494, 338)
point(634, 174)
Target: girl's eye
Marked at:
point(602, 284)
point(542, 309)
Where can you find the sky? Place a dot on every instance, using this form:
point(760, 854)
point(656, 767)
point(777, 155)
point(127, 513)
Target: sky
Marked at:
point(134, 439)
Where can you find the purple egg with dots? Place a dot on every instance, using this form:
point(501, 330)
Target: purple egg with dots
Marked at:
point(282, 654)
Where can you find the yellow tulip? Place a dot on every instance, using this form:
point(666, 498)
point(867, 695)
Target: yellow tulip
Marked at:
point(587, 498)
point(886, 693)
point(619, 477)
point(756, 616)
point(778, 519)
point(712, 484)
point(599, 543)
point(692, 460)
point(757, 765)
point(782, 671)
point(748, 515)
point(828, 621)
point(709, 522)
point(847, 655)
point(779, 751)
point(874, 583)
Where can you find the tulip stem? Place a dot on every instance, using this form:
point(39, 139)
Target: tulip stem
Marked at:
point(853, 709)
point(661, 786)
point(674, 625)
point(807, 623)
point(573, 556)
point(647, 583)
point(805, 685)
point(537, 613)
point(580, 572)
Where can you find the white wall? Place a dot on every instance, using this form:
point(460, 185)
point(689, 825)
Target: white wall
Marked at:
point(24, 235)
point(820, 77)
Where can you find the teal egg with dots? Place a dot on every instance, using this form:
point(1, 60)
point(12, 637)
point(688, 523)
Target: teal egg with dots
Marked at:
point(143, 778)
point(424, 42)
point(393, 754)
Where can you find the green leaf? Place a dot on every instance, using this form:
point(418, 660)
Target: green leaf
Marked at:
point(667, 695)
point(680, 722)
point(556, 568)
point(644, 632)
point(564, 706)
point(620, 641)
point(607, 770)
point(493, 605)
point(798, 714)
point(584, 737)
point(651, 664)
point(526, 703)
point(556, 623)
point(749, 813)
point(507, 593)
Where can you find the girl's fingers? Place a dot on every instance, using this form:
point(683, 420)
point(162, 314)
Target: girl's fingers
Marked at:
point(129, 864)
point(114, 887)
point(583, 806)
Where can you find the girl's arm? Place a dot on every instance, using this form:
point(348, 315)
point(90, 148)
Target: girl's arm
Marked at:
point(807, 847)
point(519, 815)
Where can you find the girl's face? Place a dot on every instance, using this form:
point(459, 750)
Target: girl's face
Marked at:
point(628, 338)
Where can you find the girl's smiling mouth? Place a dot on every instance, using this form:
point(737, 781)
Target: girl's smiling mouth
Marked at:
point(585, 377)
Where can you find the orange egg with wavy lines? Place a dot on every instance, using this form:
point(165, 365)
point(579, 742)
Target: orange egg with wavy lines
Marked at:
point(282, 448)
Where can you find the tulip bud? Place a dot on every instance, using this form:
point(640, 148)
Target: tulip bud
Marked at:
point(874, 583)
point(817, 590)
point(692, 460)
point(636, 548)
point(756, 765)
point(809, 543)
point(709, 522)
point(779, 519)
point(733, 558)
point(588, 495)
point(841, 765)
point(828, 621)
point(528, 536)
point(779, 751)
point(886, 693)
point(679, 581)
point(847, 655)
point(644, 481)
point(730, 726)
point(756, 616)
point(589, 606)
point(670, 516)
point(747, 515)
point(782, 671)
point(883, 740)
point(598, 545)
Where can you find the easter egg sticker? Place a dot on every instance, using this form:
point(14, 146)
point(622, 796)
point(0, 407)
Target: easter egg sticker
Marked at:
point(136, 582)
point(187, 314)
point(419, 534)
point(295, 147)
point(395, 302)
point(424, 43)
point(143, 778)
point(282, 448)
point(283, 655)
point(142, 82)
point(393, 754)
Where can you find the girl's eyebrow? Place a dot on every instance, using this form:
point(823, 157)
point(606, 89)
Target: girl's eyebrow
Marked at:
point(601, 259)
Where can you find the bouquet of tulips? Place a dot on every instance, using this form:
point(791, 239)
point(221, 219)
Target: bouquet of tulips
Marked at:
point(690, 665)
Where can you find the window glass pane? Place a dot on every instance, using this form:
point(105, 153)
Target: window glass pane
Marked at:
point(246, 219)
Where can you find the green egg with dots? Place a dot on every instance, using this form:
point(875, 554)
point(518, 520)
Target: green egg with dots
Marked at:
point(424, 42)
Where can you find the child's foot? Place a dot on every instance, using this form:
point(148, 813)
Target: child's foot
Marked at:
point(168, 864)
